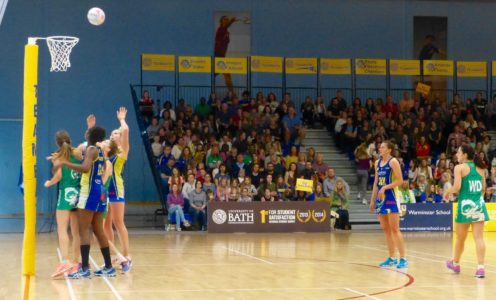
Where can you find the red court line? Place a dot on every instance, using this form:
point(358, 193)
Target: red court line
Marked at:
point(26, 287)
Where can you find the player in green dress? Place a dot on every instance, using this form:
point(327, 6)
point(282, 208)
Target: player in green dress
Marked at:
point(469, 183)
point(66, 214)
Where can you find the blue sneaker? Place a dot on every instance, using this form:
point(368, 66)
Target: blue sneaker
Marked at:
point(402, 263)
point(80, 274)
point(105, 272)
point(389, 262)
point(126, 265)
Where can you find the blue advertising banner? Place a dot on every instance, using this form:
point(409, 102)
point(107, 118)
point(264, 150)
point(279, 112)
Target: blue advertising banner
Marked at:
point(426, 217)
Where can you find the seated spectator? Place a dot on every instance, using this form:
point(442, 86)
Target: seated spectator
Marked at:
point(268, 184)
point(256, 176)
point(290, 176)
point(339, 195)
point(406, 103)
point(308, 111)
point(245, 195)
point(157, 147)
point(177, 149)
point(292, 157)
point(349, 137)
point(267, 196)
point(423, 169)
point(252, 190)
point(320, 167)
point(165, 175)
point(239, 165)
point(422, 148)
point(308, 172)
point(214, 157)
point(176, 178)
point(292, 124)
point(198, 205)
point(390, 107)
point(330, 182)
point(407, 195)
point(283, 190)
point(302, 196)
point(221, 175)
point(223, 190)
point(208, 184)
point(202, 109)
point(184, 160)
point(234, 192)
point(319, 194)
point(188, 186)
point(153, 128)
point(319, 110)
point(175, 205)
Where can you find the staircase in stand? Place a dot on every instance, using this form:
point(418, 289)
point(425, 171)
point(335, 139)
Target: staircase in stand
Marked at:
point(322, 142)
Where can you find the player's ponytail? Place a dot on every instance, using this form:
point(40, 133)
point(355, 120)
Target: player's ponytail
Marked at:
point(471, 155)
point(114, 148)
point(63, 140)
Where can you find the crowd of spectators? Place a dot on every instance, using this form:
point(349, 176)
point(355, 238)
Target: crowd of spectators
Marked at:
point(248, 148)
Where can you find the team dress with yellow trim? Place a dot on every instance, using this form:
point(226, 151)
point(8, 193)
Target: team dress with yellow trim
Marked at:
point(471, 205)
point(91, 196)
point(116, 187)
point(69, 187)
point(391, 202)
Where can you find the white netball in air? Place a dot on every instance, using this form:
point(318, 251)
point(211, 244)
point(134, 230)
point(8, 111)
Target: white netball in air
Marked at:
point(96, 16)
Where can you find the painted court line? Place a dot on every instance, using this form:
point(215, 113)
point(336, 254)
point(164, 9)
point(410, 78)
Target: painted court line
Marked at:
point(361, 294)
point(67, 280)
point(248, 255)
point(111, 286)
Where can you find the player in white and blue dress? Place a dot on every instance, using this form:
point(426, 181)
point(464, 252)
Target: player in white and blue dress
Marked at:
point(385, 202)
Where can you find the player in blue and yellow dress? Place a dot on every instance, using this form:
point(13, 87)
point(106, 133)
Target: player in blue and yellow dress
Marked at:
point(385, 202)
point(92, 204)
point(116, 193)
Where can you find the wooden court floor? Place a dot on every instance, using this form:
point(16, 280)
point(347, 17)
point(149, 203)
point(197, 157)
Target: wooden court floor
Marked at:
point(339, 265)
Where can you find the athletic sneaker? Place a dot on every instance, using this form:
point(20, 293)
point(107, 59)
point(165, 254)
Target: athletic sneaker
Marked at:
point(481, 273)
point(105, 272)
point(402, 263)
point(126, 265)
point(450, 264)
point(62, 268)
point(80, 274)
point(389, 262)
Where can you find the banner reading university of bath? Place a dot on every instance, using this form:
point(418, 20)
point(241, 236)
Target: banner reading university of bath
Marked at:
point(365, 66)
point(471, 68)
point(267, 64)
point(230, 65)
point(301, 65)
point(195, 64)
point(438, 67)
point(292, 216)
point(158, 62)
point(332, 66)
point(404, 67)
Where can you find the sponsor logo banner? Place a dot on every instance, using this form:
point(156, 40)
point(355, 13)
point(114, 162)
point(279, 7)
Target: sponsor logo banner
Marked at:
point(471, 69)
point(268, 64)
point(301, 65)
point(230, 65)
point(366, 66)
point(225, 217)
point(158, 62)
point(438, 67)
point(195, 64)
point(426, 217)
point(335, 66)
point(404, 67)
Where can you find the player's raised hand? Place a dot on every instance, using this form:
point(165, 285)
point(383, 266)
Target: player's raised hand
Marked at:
point(91, 121)
point(121, 113)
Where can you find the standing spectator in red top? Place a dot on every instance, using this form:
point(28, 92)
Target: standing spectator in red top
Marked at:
point(391, 107)
point(422, 148)
point(146, 106)
point(222, 43)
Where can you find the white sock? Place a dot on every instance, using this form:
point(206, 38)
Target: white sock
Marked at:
point(480, 267)
point(455, 264)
